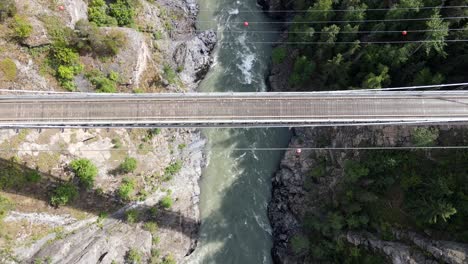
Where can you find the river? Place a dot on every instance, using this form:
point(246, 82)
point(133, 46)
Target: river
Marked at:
point(236, 185)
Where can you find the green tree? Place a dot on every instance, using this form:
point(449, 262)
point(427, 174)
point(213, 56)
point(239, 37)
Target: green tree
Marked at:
point(85, 170)
point(423, 136)
point(97, 13)
point(438, 31)
point(63, 194)
point(372, 80)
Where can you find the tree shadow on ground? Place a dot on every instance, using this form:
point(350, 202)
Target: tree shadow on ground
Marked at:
point(19, 179)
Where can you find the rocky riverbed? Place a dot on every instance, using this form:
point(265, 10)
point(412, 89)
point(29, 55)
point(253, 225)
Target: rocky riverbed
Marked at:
point(95, 228)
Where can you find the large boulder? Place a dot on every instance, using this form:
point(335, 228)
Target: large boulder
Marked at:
point(193, 57)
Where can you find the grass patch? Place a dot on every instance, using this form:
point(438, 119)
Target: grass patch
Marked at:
point(8, 68)
point(132, 216)
point(47, 161)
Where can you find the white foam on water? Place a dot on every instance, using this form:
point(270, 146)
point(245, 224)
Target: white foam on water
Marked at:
point(233, 11)
point(247, 58)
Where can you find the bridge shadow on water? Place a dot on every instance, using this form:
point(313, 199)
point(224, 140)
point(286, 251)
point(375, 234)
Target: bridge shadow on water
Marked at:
point(17, 179)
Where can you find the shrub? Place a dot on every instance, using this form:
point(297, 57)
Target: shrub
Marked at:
point(85, 170)
point(278, 55)
point(97, 13)
point(63, 194)
point(113, 76)
point(126, 189)
point(128, 165)
point(66, 63)
point(32, 176)
point(8, 67)
point(7, 9)
point(299, 243)
point(166, 202)
point(131, 216)
point(104, 85)
point(133, 256)
point(123, 12)
point(21, 27)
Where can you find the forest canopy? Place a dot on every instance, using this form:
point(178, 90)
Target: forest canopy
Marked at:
point(342, 43)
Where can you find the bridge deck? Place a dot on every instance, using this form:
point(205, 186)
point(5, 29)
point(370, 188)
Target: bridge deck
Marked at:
point(231, 109)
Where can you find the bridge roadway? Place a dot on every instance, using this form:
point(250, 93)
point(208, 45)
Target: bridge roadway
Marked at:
point(231, 109)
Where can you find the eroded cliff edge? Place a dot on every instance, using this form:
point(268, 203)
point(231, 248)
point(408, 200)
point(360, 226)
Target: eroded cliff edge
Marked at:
point(148, 213)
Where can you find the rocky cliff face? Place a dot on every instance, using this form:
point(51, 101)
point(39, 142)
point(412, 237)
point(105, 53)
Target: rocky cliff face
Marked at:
point(293, 195)
point(34, 231)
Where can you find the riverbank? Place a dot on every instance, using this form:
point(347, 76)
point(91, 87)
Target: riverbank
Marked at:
point(159, 216)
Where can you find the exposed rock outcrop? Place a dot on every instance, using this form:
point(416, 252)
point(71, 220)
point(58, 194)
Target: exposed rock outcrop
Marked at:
point(194, 57)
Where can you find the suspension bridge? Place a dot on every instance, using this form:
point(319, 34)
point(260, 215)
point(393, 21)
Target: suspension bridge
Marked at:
point(68, 110)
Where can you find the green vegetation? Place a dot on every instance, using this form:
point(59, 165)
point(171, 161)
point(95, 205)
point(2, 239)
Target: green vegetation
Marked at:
point(128, 165)
point(182, 146)
point(126, 189)
point(103, 84)
point(416, 190)
point(63, 194)
point(8, 67)
point(7, 9)
point(102, 43)
point(121, 13)
point(423, 136)
point(344, 60)
point(5, 206)
point(169, 74)
point(299, 243)
point(166, 202)
point(132, 216)
point(32, 176)
point(21, 27)
point(117, 143)
point(172, 170)
point(278, 55)
point(85, 170)
point(14, 176)
point(169, 259)
point(151, 227)
point(66, 63)
point(97, 13)
point(133, 256)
